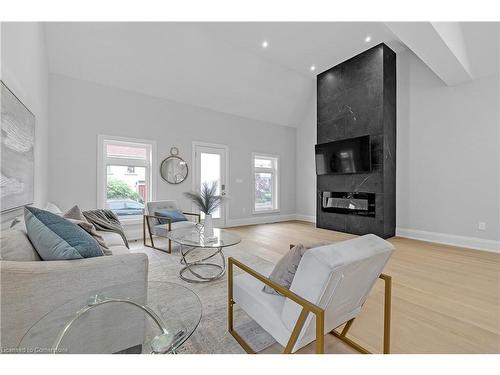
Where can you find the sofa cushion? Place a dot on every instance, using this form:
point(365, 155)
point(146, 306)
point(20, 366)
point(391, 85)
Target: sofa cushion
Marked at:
point(56, 238)
point(118, 250)
point(111, 238)
point(16, 246)
point(174, 216)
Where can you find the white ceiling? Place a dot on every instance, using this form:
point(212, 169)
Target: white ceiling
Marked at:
point(222, 66)
point(298, 45)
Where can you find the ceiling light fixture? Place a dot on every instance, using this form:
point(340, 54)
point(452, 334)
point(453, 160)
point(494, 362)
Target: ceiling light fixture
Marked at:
point(265, 44)
point(313, 68)
point(368, 39)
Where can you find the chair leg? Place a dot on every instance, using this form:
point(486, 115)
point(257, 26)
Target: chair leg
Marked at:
point(351, 343)
point(347, 327)
point(230, 311)
point(387, 312)
point(296, 331)
point(320, 333)
point(146, 225)
point(144, 230)
point(387, 321)
point(230, 301)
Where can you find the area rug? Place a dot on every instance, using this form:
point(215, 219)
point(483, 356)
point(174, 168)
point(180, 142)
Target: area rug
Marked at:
point(211, 336)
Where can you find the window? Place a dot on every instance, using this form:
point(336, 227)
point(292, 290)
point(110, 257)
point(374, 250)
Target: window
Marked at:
point(125, 182)
point(266, 177)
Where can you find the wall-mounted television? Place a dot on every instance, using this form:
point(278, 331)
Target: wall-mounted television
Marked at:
point(352, 155)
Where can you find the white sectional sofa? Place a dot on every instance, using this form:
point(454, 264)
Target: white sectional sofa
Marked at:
point(30, 288)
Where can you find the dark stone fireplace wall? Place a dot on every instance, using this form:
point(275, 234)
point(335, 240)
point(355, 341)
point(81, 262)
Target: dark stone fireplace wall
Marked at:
point(355, 98)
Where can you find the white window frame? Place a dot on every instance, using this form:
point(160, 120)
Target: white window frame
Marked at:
point(275, 171)
point(103, 161)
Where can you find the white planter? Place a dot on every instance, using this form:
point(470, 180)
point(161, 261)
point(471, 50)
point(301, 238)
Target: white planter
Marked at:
point(208, 227)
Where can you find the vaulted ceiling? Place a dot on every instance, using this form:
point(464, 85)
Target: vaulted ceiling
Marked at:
point(223, 66)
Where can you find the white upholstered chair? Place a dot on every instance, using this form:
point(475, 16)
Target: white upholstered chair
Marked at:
point(153, 227)
point(329, 288)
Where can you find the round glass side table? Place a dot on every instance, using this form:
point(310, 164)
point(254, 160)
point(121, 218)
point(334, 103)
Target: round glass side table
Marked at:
point(118, 319)
point(199, 254)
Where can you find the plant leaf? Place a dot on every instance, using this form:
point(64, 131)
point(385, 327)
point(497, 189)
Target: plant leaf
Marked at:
point(206, 199)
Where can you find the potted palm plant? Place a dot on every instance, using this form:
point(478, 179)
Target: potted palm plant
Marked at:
point(207, 200)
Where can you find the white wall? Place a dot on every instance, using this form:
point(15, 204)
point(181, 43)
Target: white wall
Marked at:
point(25, 72)
point(306, 169)
point(80, 110)
point(447, 158)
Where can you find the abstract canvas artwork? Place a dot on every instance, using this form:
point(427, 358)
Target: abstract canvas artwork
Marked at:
point(17, 152)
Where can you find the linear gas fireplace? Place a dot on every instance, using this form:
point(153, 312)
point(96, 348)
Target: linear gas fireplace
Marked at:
point(348, 203)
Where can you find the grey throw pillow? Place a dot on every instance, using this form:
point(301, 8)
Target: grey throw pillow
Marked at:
point(75, 215)
point(284, 271)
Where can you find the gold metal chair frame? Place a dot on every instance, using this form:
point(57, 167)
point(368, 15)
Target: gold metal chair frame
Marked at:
point(307, 307)
point(147, 224)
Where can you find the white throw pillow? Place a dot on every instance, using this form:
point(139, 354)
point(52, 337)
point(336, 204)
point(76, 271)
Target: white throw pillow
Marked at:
point(51, 207)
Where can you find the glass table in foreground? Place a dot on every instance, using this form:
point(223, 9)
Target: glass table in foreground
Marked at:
point(196, 250)
point(118, 320)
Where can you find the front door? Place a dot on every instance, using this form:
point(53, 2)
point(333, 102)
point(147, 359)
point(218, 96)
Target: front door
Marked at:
point(210, 166)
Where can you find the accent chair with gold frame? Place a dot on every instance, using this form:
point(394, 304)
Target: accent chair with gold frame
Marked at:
point(151, 225)
point(330, 286)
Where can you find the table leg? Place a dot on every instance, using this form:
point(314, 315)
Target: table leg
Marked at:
point(189, 266)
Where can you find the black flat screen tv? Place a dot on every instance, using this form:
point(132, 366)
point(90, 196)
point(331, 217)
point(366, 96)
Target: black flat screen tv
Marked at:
point(346, 156)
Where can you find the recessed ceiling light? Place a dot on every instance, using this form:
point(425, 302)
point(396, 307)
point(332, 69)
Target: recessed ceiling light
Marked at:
point(265, 44)
point(368, 38)
point(313, 68)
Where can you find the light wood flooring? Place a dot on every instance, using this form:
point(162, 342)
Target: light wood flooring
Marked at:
point(445, 299)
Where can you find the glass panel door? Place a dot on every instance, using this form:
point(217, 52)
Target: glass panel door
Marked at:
point(210, 173)
point(210, 167)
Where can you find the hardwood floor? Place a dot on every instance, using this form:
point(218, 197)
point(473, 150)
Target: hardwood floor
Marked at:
point(445, 299)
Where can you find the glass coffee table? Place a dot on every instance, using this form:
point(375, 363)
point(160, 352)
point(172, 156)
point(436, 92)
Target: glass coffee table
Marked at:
point(196, 250)
point(117, 320)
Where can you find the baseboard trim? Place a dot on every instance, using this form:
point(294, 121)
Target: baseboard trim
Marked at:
point(450, 239)
point(259, 220)
point(308, 218)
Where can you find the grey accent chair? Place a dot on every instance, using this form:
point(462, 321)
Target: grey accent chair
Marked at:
point(151, 225)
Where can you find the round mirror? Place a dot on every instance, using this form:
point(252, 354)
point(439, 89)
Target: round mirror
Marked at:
point(174, 170)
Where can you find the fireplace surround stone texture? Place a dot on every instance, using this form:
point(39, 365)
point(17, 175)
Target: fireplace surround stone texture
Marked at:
point(355, 98)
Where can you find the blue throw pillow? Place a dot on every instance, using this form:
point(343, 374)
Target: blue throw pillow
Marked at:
point(174, 215)
point(56, 238)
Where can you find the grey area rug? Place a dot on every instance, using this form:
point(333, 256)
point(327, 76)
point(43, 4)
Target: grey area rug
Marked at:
point(211, 336)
